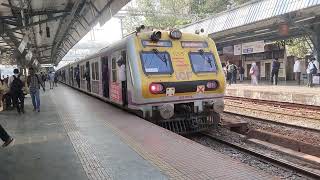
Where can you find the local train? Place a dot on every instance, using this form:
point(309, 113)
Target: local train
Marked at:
point(170, 78)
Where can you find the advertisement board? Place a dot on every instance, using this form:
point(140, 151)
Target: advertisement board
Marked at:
point(237, 49)
point(227, 50)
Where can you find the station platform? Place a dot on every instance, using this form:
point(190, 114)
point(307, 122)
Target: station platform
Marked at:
point(76, 136)
point(283, 92)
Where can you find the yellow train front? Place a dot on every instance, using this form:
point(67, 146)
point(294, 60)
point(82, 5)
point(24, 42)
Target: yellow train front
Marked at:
point(178, 80)
point(170, 78)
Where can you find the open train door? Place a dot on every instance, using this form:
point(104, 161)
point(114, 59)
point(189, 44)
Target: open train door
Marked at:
point(105, 76)
point(118, 84)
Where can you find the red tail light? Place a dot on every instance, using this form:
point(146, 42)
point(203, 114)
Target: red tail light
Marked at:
point(155, 88)
point(212, 85)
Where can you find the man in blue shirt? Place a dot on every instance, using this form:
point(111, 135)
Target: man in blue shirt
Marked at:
point(275, 71)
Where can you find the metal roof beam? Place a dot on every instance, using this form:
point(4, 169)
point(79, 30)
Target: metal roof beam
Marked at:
point(35, 23)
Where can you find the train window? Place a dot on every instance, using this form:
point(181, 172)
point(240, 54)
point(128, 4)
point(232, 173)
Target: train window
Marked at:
point(114, 70)
point(202, 62)
point(155, 62)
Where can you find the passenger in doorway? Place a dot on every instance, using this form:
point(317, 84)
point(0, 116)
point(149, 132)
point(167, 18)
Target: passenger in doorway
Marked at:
point(241, 73)
point(56, 79)
point(122, 77)
point(311, 70)
point(77, 74)
point(232, 70)
point(275, 71)
point(297, 70)
point(51, 79)
point(254, 72)
point(16, 91)
point(87, 77)
point(34, 83)
point(5, 137)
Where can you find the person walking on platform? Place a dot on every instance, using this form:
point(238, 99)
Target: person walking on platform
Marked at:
point(275, 71)
point(5, 137)
point(254, 72)
point(43, 78)
point(297, 70)
point(241, 73)
point(311, 70)
point(51, 79)
point(34, 83)
point(17, 92)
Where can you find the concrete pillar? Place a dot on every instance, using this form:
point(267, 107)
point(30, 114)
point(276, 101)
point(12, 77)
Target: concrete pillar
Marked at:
point(315, 36)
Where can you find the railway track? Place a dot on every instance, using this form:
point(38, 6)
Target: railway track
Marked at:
point(275, 122)
point(276, 103)
point(267, 157)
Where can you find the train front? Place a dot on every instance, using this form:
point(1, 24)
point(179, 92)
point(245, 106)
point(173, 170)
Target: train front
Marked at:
point(181, 80)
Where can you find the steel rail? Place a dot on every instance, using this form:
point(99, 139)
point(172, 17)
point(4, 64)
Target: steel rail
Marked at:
point(274, 122)
point(279, 103)
point(266, 157)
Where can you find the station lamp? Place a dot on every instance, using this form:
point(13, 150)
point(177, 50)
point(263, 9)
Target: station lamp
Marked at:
point(156, 36)
point(175, 34)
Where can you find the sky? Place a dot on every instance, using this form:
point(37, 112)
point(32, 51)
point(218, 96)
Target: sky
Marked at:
point(109, 33)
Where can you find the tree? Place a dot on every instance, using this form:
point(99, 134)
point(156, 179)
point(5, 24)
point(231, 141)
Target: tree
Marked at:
point(298, 47)
point(173, 13)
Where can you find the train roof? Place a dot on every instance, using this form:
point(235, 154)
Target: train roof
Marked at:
point(122, 41)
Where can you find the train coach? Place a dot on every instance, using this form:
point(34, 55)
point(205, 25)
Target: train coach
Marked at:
point(170, 78)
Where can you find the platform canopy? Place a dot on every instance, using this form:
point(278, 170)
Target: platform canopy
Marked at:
point(43, 31)
point(260, 20)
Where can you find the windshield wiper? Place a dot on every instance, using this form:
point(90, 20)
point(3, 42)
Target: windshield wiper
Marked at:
point(205, 58)
point(162, 58)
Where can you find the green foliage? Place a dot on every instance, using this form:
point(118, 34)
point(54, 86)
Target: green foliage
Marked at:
point(173, 13)
point(299, 47)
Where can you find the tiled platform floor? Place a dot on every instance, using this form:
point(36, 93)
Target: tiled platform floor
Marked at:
point(76, 136)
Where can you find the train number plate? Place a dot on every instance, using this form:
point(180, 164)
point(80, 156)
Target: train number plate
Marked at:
point(170, 91)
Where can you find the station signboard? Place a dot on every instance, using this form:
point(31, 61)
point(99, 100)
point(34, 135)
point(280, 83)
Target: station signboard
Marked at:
point(253, 47)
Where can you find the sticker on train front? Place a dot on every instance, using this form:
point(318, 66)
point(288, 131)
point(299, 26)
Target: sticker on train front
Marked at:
point(200, 89)
point(170, 91)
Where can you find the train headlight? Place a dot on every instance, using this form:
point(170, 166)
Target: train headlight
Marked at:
point(166, 111)
point(175, 34)
point(156, 88)
point(218, 106)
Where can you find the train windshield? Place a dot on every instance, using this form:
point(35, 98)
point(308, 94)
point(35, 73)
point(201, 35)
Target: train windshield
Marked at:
point(155, 62)
point(202, 62)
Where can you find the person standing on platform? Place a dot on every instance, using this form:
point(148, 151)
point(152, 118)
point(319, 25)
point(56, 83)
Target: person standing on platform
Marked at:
point(16, 91)
point(241, 73)
point(34, 83)
point(297, 70)
point(5, 137)
point(311, 70)
point(275, 71)
point(254, 72)
point(232, 71)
